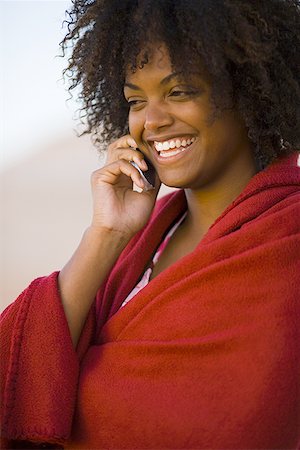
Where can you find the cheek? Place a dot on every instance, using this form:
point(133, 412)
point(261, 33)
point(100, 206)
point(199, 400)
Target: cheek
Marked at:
point(194, 114)
point(136, 125)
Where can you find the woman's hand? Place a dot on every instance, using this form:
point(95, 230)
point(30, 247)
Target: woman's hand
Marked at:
point(116, 206)
point(118, 214)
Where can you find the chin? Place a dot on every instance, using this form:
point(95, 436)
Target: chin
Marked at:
point(177, 184)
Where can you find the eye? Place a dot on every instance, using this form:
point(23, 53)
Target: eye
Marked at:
point(184, 92)
point(135, 103)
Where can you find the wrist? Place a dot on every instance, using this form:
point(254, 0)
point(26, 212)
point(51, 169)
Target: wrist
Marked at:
point(105, 236)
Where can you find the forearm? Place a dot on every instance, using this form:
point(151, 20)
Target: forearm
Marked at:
point(115, 220)
point(82, 276)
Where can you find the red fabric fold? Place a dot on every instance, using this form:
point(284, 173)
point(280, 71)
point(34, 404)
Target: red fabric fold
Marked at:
point(207, 355)
point(39, 365)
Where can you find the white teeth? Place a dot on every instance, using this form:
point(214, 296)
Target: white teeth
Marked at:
point(173, 153)
point(174, 143)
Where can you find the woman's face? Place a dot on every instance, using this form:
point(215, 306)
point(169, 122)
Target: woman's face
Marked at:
point(169, 120)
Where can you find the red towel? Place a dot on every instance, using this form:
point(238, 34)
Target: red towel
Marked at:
point(206, 356)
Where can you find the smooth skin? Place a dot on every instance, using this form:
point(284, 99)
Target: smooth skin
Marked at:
point(213, 171)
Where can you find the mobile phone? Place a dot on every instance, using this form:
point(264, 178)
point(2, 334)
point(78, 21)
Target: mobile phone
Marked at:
point(148, 176)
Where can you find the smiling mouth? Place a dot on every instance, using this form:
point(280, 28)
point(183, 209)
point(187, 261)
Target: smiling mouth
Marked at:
point(173, 147)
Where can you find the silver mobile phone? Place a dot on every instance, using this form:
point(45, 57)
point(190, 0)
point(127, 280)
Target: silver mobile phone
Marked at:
point(148, 176)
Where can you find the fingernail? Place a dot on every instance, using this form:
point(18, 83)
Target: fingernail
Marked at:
point(131, 142)
point(141, 183)
point(144, 164)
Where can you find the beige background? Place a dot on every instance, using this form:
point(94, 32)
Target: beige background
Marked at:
point(45, 207)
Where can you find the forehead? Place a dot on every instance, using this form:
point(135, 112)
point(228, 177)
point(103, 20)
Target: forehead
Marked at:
point(155, 64)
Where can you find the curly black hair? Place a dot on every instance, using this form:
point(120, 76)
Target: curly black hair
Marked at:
point(250, 48)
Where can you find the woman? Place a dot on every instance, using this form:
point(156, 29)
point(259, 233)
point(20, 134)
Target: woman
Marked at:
point(183, 312)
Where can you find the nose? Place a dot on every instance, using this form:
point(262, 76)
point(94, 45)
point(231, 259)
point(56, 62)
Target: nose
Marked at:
point(157, 116)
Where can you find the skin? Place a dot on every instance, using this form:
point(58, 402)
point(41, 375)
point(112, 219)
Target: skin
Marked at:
point(213, 171)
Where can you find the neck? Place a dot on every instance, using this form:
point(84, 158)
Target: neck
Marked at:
point(206, 204)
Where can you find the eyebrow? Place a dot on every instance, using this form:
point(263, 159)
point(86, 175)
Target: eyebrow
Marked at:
point(164, 81)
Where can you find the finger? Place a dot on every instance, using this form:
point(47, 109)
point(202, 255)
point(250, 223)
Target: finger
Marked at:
point(123, 142)
point(131, 142)
point(111, 174)
point(127, 154)
point(127, 169)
